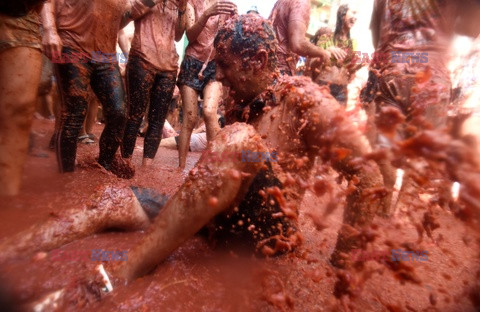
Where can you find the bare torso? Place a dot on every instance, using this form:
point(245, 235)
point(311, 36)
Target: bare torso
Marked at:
point(281, 127)
point(293, 165)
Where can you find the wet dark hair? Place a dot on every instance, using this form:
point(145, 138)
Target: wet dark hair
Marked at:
point(245, 36)
point(341, 13)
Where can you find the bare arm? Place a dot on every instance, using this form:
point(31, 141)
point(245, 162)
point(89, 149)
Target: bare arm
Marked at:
point(195, 27)
point(52, 44)
point(123, 42)
point(298, 44)
point(180, 27)
point(328, 126)
point(136, 10)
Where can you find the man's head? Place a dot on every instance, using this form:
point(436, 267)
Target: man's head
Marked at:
point(246, 55)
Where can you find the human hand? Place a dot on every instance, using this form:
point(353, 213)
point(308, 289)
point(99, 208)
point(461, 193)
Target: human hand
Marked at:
point(337, 53)
point(221, 7)
point(326, 55)
point(52, 45)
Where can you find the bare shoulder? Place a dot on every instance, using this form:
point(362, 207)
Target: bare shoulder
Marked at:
point(300, 93)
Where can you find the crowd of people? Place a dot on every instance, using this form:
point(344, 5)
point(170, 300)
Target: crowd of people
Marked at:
point(301, 118)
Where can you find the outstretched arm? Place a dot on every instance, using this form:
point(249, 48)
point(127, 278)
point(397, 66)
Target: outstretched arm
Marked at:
point(298, 18)
point(298, 44)
point(210, 189)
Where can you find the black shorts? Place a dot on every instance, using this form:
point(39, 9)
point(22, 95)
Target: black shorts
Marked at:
point(256, 219)
point(190, 70)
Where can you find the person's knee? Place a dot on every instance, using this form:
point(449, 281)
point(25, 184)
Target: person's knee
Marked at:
point(210, 113)
point(136, 118)
point(239, 137)
point(75, 112)
point(226, 151)
point(117, 116)
point(155, 128)
point(189, 120)
point(19, 110)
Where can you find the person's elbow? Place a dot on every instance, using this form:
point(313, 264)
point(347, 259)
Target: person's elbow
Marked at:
point(296, 46)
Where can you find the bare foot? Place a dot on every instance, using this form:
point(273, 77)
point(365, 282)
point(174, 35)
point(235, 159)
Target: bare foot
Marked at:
point(182, 171)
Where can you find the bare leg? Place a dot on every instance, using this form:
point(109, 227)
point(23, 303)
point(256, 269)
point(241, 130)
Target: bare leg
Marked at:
point(39, 107)
point(389, 174)
point(364, 202)
point(49, 104)
point(387, 170)
point(190, 116)
point(111, 207)
point(90, 118)
point(361, 207)
point(210, 189)
point(212, 96)
point(20, 70)
point(91, 114)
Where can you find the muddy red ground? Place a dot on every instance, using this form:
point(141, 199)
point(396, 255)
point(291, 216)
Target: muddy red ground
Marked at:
point(199, 278)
